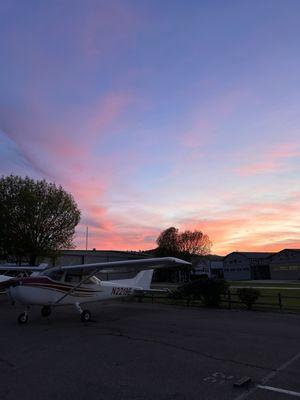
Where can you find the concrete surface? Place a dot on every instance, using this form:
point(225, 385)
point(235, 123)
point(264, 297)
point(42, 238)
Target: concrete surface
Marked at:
point(139, 351)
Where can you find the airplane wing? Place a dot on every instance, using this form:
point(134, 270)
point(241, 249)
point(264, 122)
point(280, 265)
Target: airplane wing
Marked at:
point(9, 267)
point(134, 265)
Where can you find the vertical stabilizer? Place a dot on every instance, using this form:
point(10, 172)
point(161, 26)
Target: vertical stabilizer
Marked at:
point(143, 279)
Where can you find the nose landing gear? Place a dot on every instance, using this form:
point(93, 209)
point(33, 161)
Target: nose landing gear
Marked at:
point(23, 318)
point(85, 316)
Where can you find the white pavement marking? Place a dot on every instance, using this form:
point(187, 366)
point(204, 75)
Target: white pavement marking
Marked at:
point(268, 377)
point(274, 389)
point(265, 287)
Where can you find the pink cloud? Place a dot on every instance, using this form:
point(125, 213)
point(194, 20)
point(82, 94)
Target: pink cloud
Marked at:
point(275, 160)
point(208, 118)
point(107, 112)
point(257, 226)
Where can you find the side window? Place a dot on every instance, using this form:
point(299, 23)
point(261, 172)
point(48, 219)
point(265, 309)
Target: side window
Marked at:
point(73, 277)
point(56, 275)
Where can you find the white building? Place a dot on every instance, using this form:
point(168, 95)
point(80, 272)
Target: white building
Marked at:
point(247, 266)
point(210, 265)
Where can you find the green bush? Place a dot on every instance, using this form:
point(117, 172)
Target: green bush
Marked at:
point(248, 296)
point(208, 290)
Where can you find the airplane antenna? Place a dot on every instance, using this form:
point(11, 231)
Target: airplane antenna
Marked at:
point(86, 237)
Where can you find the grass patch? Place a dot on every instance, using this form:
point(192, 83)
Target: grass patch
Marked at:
point(268, 300)
point(264, 284)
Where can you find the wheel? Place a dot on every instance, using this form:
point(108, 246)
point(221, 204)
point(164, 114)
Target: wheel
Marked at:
point(85, 316)
point(23, 318)
point(46, 311)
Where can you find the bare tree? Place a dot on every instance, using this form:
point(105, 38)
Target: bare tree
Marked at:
point(173, 243)
point(194, 242)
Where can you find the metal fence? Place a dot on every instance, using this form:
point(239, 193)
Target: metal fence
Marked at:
point(272, 302)
point(277, 301)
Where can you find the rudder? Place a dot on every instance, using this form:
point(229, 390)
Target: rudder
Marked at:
point(143, 279)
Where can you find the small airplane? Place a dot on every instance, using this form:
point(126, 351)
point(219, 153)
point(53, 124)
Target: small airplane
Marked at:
point(79, 284)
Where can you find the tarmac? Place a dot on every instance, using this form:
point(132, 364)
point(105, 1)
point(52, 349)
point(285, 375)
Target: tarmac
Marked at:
point(139, 351)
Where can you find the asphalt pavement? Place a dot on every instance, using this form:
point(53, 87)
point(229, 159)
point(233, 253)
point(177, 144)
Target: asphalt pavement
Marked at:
point(139, 351)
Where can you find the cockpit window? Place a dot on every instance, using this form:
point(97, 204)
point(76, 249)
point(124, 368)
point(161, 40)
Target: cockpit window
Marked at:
point(56, 275)
point(73, 277)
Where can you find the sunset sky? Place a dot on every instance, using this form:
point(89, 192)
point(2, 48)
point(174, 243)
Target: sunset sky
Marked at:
point(158, 113)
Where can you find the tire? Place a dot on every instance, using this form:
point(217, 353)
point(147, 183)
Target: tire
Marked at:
point(23, 318)
point(85, 316)
point(46, 311)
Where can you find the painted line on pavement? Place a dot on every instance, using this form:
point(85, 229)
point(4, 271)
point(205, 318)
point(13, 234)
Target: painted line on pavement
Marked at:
point(268, 377)
point(274, 389)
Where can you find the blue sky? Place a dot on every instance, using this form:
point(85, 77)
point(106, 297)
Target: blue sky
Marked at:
point(157, 114)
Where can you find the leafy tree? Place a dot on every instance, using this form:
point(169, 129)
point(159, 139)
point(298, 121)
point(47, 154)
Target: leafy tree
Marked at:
point(173, 243)
point(168, 242)
point(37, 219)
point(248, 296)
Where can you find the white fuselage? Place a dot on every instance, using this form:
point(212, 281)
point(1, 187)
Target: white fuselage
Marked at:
point(45, 291)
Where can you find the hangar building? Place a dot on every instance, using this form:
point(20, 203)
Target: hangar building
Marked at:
point(73, 257)
point(285, 265)
point(247, 265)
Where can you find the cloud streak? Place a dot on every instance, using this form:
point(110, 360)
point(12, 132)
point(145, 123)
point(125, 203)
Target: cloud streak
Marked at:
point(276, 159)
point(149, 124)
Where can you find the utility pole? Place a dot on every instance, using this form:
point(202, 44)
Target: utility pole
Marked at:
point(86, 237)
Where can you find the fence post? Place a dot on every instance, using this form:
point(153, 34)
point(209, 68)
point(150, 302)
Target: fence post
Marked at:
point(280, 301)
point(229, 299)
point(188, 300)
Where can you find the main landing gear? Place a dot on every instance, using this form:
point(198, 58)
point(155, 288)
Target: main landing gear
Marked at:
point(23, 318)
point(85, 315)
point(46, 311)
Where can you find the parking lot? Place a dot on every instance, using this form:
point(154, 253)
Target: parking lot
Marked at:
point(144, 351)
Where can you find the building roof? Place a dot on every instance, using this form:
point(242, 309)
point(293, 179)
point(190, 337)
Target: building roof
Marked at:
point(250, 254)
point(297, 250)
point(98, 252)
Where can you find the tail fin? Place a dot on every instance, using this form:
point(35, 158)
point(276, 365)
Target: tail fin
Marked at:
point(143, 279)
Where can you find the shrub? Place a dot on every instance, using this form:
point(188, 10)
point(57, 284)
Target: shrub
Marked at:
point(248, 296)
point(208, 290)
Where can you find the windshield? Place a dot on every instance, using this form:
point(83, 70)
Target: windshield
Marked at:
point(55, 275)
point(74, 277)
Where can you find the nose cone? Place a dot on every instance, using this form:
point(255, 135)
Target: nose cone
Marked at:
point(4, 278)
point(8, 281)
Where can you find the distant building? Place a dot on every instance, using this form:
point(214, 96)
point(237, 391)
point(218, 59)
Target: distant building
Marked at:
point(285, 265)
point(247, 265)
point(73, 257)
point(210, 265)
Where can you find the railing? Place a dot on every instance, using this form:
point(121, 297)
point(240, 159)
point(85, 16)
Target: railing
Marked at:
point(277, 301)
point(272, 302)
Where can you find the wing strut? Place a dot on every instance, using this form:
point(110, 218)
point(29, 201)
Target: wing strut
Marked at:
point(76, 286)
